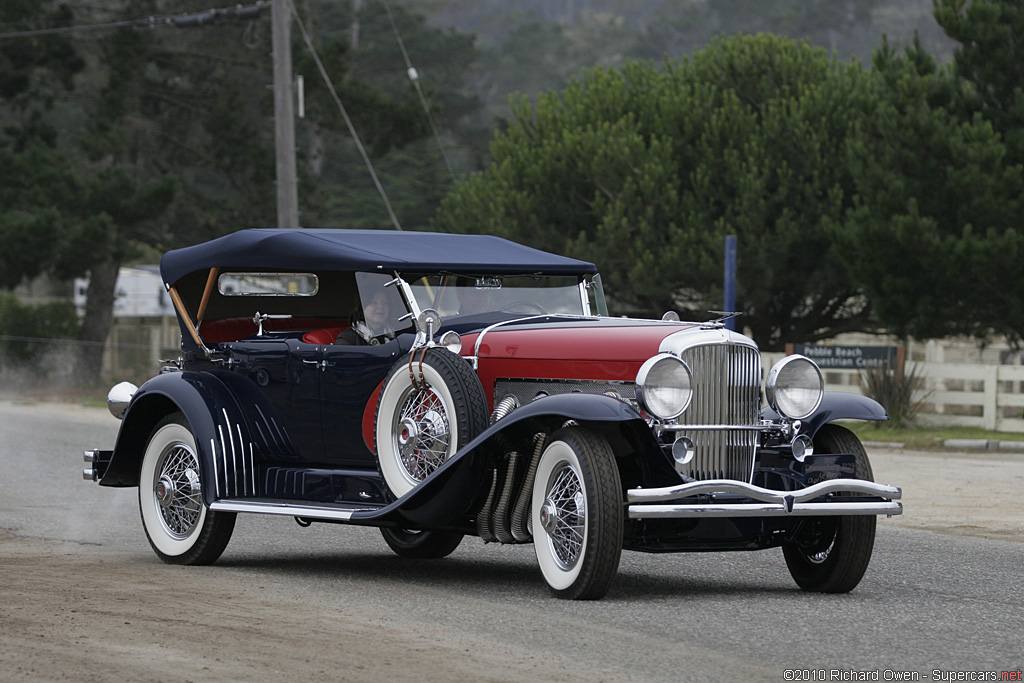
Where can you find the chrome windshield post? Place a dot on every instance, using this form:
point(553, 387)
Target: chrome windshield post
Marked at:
point(410, 299)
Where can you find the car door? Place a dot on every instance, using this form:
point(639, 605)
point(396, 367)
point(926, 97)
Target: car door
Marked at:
point(286, 373)
point(350, 378)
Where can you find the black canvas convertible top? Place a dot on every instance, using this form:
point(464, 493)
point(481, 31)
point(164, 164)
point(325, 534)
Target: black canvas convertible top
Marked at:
point(306, 249)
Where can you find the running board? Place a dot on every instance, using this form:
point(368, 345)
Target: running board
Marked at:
point(264, 507)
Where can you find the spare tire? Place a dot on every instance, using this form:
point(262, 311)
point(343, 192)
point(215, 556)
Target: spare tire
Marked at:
point(431, 405)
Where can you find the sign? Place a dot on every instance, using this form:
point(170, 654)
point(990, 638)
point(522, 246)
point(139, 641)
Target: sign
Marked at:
point(850, 357)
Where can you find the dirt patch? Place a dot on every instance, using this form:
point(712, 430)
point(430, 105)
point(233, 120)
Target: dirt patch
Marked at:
point(956, 493)
point(119, 619)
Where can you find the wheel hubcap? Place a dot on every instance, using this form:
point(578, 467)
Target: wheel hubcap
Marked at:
point(164, 491)
point(548, 516)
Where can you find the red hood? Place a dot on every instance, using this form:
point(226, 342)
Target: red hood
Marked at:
point(581, 341)
point(608, 349)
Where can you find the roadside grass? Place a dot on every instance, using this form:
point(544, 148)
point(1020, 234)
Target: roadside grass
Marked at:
point(924, 438)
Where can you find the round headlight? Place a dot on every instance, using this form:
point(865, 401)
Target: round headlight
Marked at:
point(665, 386)
point(794, 387)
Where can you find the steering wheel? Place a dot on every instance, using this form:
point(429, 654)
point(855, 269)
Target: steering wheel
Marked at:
point(510, 308)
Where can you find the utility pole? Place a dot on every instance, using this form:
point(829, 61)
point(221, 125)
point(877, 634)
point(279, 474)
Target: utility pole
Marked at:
point(284, 116)
point(356, 5)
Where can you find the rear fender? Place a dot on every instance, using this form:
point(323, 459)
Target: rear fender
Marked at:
point(221, 427)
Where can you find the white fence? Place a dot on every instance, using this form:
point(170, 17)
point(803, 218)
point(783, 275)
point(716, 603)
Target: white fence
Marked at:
point(957, 394)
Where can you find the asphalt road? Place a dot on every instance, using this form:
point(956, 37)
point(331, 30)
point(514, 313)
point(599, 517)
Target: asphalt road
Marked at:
point(82, 596)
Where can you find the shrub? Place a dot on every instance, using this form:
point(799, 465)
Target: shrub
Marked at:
point(25, 330)
point(895, 391)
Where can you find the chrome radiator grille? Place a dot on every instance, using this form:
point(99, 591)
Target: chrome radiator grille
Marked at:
point(726, 391)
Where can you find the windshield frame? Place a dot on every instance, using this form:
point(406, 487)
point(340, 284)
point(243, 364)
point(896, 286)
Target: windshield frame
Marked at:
point(566, 295)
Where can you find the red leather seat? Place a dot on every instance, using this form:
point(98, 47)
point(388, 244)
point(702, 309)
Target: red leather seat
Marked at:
point(325, 336)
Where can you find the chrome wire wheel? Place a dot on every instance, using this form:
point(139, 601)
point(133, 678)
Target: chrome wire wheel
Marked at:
point(577, 514)
point(422, 432)
point(179, 526)
point(563, 515)
point(177, 490)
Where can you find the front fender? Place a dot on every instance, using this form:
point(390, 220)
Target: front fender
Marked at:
point(836, 405)
point(451, 491)
point(218, 420)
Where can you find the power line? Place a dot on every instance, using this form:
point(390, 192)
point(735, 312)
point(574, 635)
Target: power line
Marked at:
point(210, 16)
point(415, 78)
point(344, 114)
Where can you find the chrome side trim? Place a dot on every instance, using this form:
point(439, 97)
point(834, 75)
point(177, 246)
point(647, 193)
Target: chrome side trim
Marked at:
point(307, 512)
point(234, 464)
point(216, 476)
point(771, 503)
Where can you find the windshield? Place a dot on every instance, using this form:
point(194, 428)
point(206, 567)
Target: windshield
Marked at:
point(462, 295)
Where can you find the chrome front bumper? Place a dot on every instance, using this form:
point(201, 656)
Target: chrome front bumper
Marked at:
point(729, 498)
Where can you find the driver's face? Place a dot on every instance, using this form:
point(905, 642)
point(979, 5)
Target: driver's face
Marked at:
point(376, 311)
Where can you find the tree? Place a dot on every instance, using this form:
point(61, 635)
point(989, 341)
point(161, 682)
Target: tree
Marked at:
point(990, 34)
point(646, 171)
point(168, 140)
point(934, 238)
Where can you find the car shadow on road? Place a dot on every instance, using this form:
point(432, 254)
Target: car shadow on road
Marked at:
point(513, 571)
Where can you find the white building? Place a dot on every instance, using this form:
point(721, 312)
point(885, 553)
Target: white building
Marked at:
point(139, 293)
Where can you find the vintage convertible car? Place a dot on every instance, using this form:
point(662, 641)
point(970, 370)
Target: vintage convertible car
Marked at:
point(438, 386)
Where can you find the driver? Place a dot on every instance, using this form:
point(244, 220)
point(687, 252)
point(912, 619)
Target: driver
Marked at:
point(369, 323)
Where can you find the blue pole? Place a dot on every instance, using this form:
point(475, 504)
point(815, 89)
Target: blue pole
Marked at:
point(729, 305)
